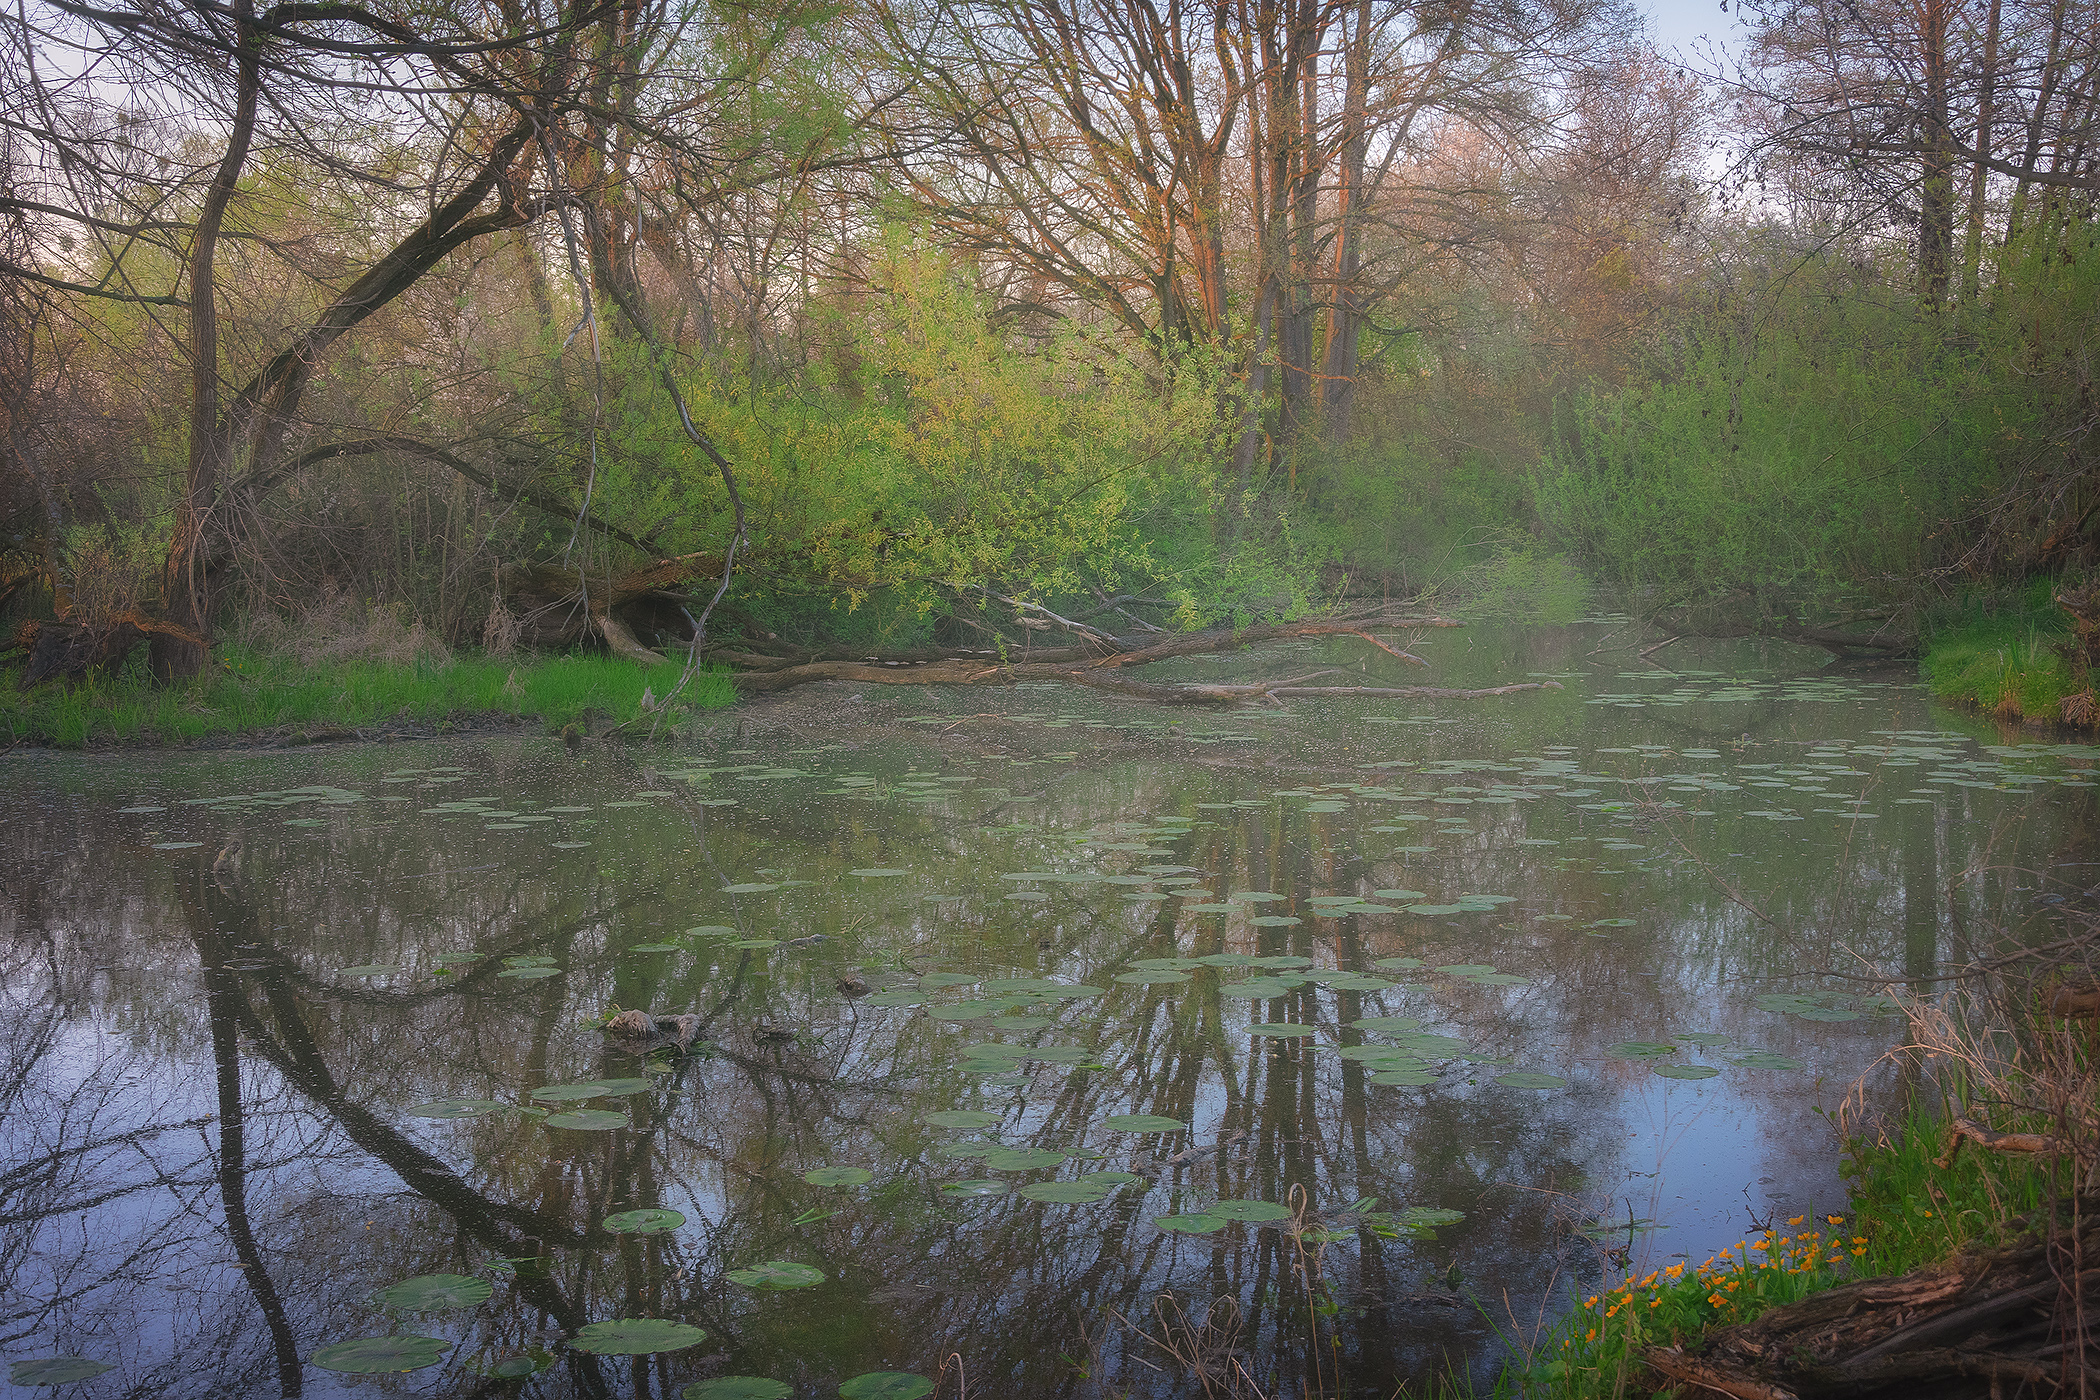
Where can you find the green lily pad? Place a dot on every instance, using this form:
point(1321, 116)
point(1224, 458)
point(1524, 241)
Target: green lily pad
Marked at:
point(457, 1108)
point(1143, 1123)
point(589, 1089)
point(1766, 1059)
point(55, 1370)
point(1114, 1178)
point(755, 944)
point(589, 1120)
point(636, 1336)
point(1686, 1071)
point(777, 1276)
point(738, 1388)
point(876, 871)
point(1707, 1038)
point(654, 948)
point(1530, 1079)
point(1076, 1193)
point(1387, 1023)
point(1640, 1049)
point(756, 887)
point(378, 1356)
point(650, 1221)
point(1278, 1030)
point(1403, 1078)
point(1254, 1212)
point(1191, 1224)
point(530, 974)
point(1467, 969)
point(437, 1292)
point(964, 1118)
point(977, 1186)
point(886, 1385)
point(839, 1176)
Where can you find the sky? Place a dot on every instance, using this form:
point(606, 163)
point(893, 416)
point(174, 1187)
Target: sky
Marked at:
point(1683, 24)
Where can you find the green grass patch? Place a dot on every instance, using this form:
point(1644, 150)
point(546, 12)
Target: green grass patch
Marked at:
point(1906, 1212)
point(244, 691)
point(2012, 661)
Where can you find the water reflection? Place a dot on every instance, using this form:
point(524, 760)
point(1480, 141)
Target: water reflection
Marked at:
point(212, 1077)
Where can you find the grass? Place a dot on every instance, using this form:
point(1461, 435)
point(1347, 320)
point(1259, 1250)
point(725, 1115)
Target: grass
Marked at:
point(243, 691)
point(2011, 661)
point(1907, 1212)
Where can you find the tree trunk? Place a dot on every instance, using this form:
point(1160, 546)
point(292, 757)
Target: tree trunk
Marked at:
point(1936, 194)
point(1345, 316)
point(1972, 243)
point(186, 582)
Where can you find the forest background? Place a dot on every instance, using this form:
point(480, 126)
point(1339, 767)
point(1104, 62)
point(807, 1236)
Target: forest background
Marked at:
point(337, 329)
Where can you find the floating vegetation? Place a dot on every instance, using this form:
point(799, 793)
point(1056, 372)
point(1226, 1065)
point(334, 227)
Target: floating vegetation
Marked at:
point(589, 1120)
point(653, 1220)
point(886, 1385)
point(636, 1337)
point(379, 1356)
point(1143, 1123)
point(437, 1293)
point(776, 1276)
point(57, 1370)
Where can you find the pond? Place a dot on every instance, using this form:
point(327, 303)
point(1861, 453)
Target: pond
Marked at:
point(1044, 1044)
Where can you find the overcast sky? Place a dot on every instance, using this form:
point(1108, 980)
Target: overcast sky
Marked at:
point(1683, 24)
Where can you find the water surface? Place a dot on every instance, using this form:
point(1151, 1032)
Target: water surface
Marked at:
point(1492, 999)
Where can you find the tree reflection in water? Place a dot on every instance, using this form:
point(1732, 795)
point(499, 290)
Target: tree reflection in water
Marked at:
point(212, 1170)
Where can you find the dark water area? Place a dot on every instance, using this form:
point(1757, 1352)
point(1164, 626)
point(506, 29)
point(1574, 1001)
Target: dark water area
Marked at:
point(1412, 1020)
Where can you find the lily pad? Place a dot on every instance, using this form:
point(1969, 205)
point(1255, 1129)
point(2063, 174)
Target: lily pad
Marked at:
point(56, 1370)
point(589, 1089)
point(1254, 1212)
point(750, 888)
point(964, 1118)
point(1077, 1193)
point(654, 948)
point(839, 1176)
point(1707, 1038)
point(976, 1186)
point(529, 974)
point(738, 1388)
point(1279, 1030)
point(589, 1120)
point(1530, 1079)
point(1640, 1049)
point(1143, 1123)
point(1403, 1078)
point(875, 871)
point(378, 1356)
point(457, 1108)
point(636, 1336)
point(886, 1385)
point(437, 1292)
point(1766, 1059)
point(777, 1276)
point(1686, 1071)
point(1191, 1224)
point(650, 1221)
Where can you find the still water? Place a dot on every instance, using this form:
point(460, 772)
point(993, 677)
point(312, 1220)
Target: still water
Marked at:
point(1040, 1036)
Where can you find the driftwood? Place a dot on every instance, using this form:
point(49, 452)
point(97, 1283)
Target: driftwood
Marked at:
point(638, 1032)
point(70, 649)
point(1997, 1322)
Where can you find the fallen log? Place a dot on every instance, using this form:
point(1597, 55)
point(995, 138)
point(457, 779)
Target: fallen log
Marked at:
point(1961, 1131)
point(980, 668)
point(1989, 1322)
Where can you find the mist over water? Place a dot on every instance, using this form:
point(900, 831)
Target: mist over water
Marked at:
point(1412, 1021)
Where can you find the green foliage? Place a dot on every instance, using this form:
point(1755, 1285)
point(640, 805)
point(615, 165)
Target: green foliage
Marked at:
point(1809, 438)
point(245, 691)
point(2014, 658)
